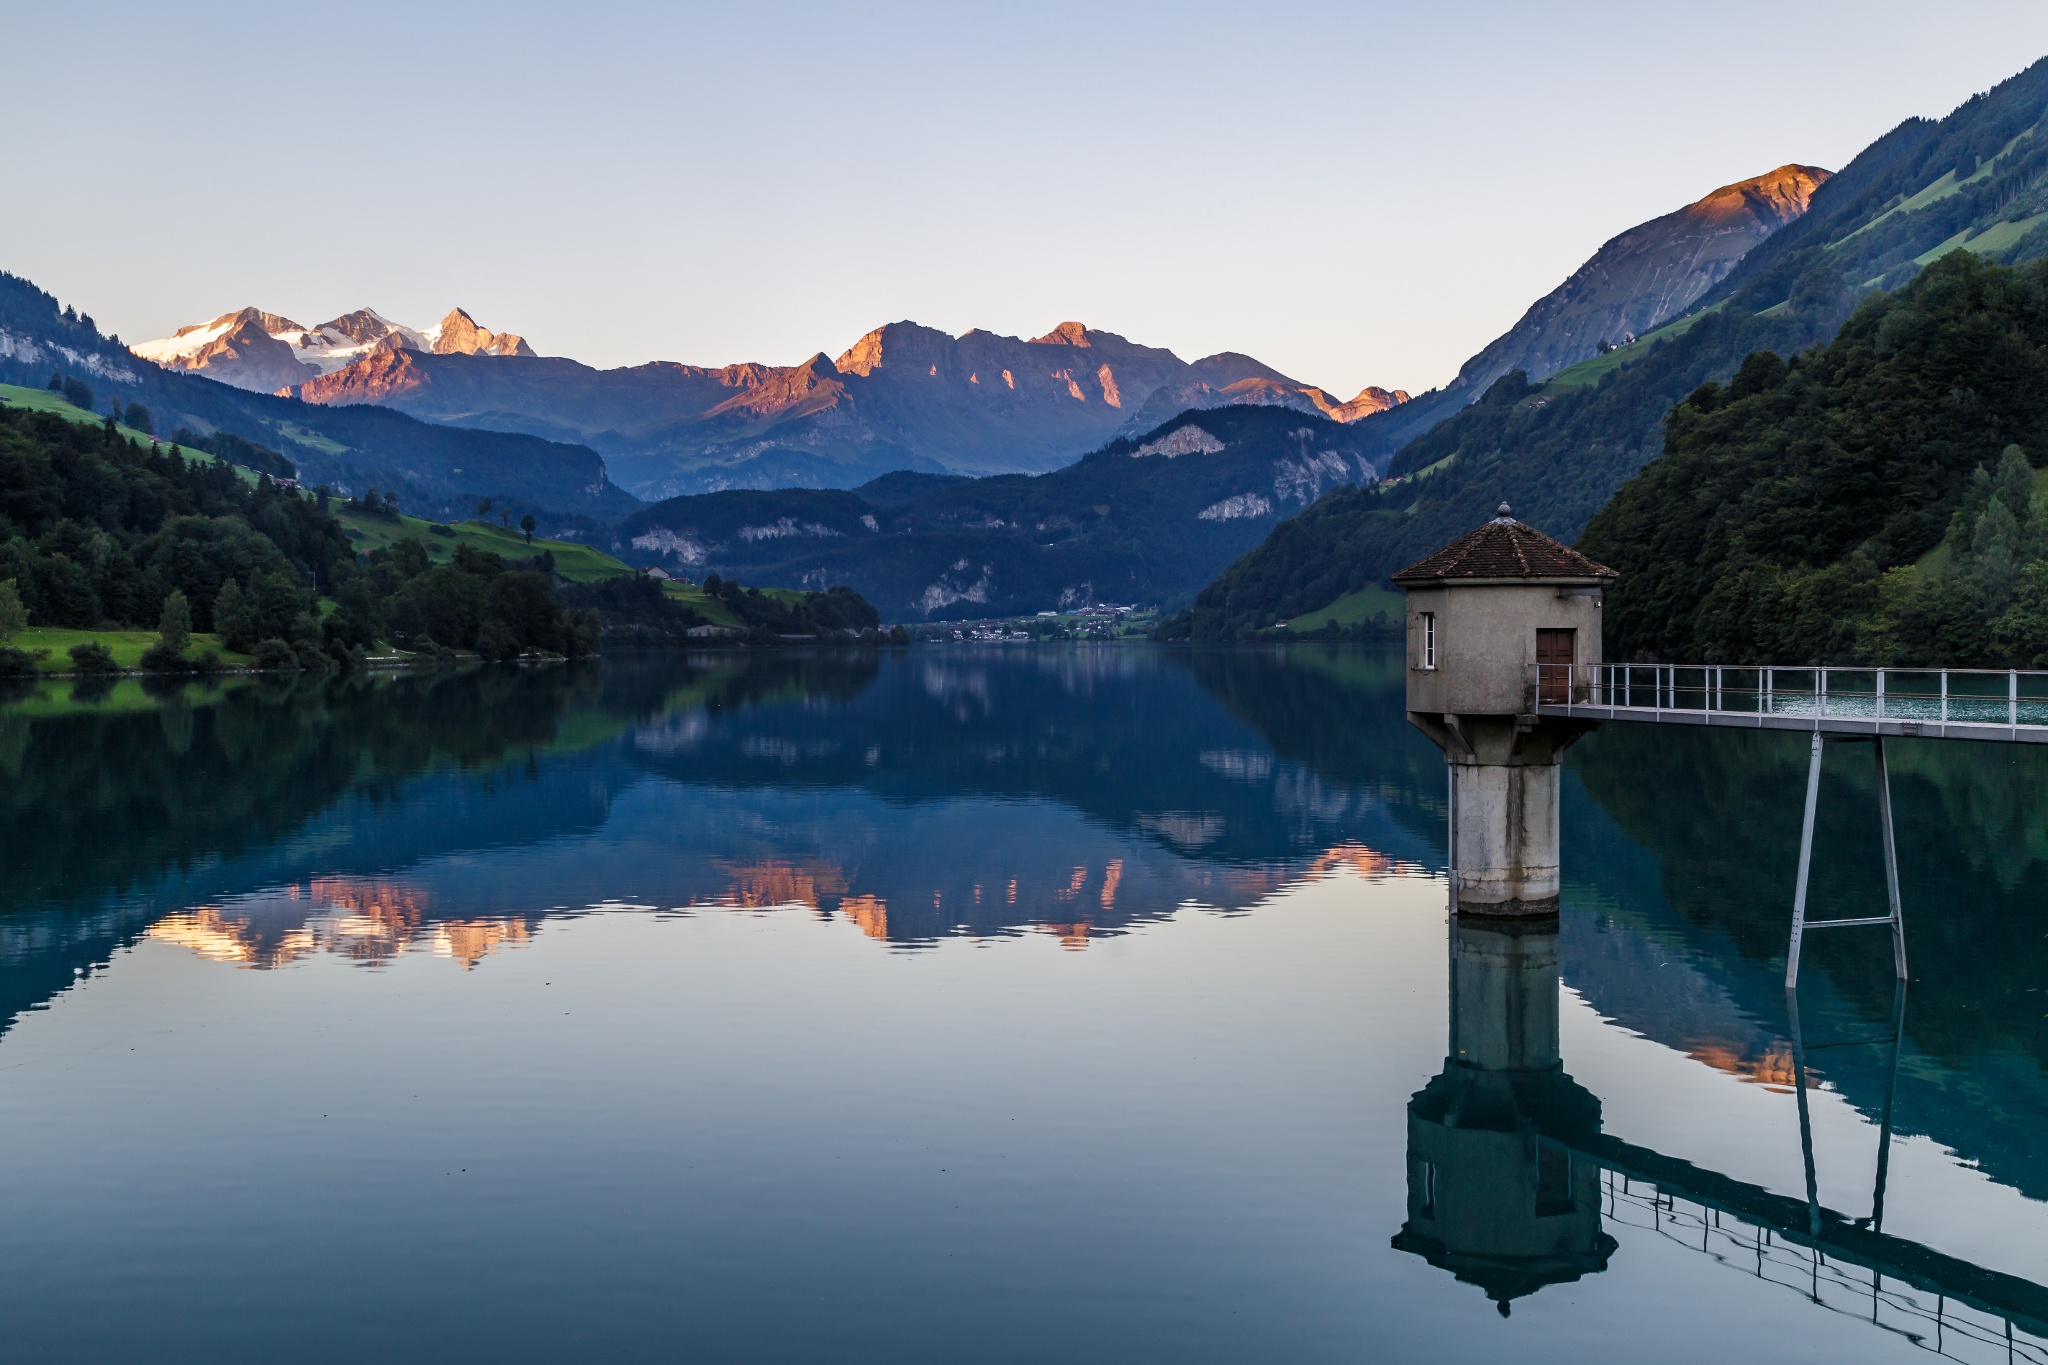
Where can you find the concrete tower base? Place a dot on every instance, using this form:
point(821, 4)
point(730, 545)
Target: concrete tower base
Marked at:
point(1504, 788)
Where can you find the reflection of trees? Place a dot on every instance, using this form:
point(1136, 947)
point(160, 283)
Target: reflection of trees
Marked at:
point(97, 803)
point(1730, 846)
point(1718, 811)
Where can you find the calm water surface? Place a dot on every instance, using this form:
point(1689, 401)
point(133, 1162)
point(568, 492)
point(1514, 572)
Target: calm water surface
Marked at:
point(1020, 1004)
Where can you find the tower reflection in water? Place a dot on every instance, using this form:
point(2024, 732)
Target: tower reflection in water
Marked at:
point(1508, 1168)
point(1496, 1195)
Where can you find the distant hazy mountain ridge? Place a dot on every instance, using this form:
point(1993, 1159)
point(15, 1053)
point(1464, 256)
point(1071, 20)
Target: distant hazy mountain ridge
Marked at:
point(902, 397)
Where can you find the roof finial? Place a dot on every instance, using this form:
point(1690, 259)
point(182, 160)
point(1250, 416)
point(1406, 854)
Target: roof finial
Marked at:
point(1504, 511)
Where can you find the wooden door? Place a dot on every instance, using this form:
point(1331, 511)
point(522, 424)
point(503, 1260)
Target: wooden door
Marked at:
point(1556, 650)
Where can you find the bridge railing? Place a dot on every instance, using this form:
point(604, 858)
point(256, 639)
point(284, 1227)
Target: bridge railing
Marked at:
point(1941, 696)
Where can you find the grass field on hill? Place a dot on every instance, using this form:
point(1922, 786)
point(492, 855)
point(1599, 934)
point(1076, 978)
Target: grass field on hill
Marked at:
point(577, 563)
point(43, 400)
point(1354, 608)
point(1588, 372)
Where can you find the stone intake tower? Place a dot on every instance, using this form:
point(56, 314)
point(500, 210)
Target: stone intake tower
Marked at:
point(1483, 613)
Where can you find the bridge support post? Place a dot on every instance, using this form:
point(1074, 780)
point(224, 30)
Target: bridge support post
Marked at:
point(1894, 917)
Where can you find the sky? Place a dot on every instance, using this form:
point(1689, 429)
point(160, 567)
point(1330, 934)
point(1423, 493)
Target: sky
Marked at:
point(1356, 194)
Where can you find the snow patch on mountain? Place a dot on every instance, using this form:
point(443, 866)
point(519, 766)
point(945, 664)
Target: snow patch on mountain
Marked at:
point(331, 346)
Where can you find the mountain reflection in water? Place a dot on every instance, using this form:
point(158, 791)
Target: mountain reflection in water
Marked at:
point(908, 801)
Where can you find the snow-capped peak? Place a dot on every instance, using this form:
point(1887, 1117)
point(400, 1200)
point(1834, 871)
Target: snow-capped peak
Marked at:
point(331, 346)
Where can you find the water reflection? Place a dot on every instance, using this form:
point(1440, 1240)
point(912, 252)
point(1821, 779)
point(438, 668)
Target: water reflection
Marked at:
point(894, 804)
point(368, 920)
point(1494, 1194)
point(1510, 1175)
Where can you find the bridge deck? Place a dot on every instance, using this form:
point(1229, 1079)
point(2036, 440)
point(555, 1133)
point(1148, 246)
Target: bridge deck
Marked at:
point(2008, 706)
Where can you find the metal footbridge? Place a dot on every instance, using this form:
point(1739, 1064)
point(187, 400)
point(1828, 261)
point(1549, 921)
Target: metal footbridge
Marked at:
point(1927, 703)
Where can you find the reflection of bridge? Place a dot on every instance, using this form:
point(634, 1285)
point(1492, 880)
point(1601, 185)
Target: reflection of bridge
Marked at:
point(1510, 1176)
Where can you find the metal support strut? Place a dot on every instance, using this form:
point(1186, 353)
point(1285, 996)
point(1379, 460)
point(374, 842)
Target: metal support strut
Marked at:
point(1896, 917)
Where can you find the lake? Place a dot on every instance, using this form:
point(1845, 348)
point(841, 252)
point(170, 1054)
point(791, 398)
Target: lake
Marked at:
point(1007, 1003)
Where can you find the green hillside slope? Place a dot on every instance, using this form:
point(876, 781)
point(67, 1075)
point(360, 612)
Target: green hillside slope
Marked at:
point(1557, 452)
point(1794, 512)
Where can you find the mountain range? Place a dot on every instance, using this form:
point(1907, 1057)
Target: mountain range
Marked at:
point(902, 397)
point(1042, 429)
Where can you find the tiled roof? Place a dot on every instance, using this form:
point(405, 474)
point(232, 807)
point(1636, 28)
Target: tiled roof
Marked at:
point(1503, 548)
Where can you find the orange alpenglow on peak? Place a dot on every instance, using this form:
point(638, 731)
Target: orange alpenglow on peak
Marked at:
point(459, 334)
point(1782, 194)
point(1066, 334)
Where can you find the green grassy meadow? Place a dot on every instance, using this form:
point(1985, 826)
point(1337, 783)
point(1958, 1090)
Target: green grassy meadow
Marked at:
point(126, 646)
point(1354, 608)
point(43, 400)
point(1588, 372)
point(577, 563)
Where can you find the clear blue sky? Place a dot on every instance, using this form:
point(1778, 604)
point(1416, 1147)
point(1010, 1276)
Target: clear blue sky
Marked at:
point(1360, 193)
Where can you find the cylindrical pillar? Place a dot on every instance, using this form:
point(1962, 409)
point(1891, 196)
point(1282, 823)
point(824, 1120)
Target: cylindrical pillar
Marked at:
point(1504, 821)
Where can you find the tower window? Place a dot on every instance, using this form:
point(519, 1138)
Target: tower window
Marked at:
point(1428, 639)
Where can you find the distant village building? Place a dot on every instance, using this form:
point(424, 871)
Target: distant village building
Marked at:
point(656, 571)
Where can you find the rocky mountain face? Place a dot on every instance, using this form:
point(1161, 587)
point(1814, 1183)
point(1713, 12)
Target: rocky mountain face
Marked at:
point(1634, 283)
point(264, 352)
point(1645, 277)
point(902, 397)
point(1147, 518)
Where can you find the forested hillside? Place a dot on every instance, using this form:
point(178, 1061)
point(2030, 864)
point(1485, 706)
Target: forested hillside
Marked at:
point(1872, 500)
point(98, 530)
point(1976, 183)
